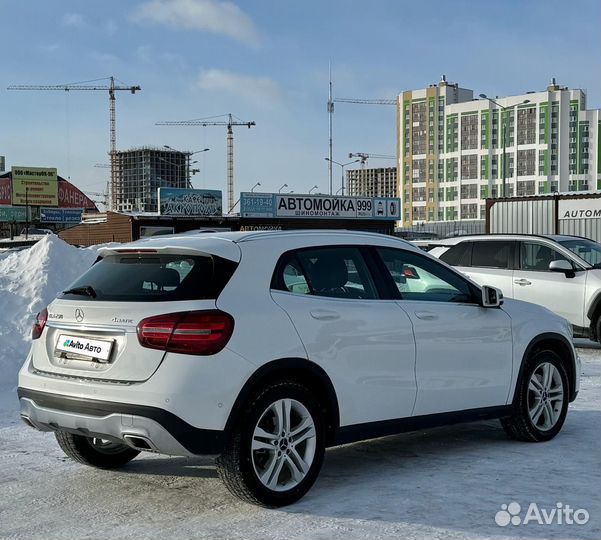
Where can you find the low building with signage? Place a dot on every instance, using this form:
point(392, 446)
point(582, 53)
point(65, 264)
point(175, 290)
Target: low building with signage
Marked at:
point(561, 213)
point(51, 199)
point(258, 212)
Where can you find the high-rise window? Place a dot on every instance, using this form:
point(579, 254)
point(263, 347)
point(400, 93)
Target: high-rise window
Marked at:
point(527, 125)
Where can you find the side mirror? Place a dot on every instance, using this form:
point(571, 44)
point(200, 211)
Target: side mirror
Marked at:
point(562, 266)
point(491, 296)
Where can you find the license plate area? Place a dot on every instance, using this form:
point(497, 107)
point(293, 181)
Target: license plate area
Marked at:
point(83, 348)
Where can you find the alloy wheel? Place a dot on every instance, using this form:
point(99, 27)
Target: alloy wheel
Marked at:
point(545, 396)
point(283, 445)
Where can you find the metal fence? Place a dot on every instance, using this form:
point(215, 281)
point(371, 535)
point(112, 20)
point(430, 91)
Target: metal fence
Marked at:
point(441, 229)
point(545, 214)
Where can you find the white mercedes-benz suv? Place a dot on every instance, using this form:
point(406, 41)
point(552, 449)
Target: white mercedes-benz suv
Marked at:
point(265, 348)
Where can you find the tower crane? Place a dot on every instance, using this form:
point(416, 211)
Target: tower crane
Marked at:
point(230, 123)
point(360, 101)
point(364, 156)
point(103, 200)
point(86, 85)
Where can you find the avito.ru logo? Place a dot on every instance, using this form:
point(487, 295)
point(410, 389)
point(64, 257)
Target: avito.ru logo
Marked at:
point(561, 514)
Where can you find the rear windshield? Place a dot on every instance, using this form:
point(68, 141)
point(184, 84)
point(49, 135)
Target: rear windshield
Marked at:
point(152, 278)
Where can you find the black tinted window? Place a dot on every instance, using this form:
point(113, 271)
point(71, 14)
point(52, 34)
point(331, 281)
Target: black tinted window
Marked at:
point(335, 272)
point(492, 254)
point(458, 255)
point(154, 278)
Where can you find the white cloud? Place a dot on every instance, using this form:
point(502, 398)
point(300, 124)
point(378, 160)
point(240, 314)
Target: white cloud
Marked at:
point(218, 17)
point(76, 20)
point(257, 89)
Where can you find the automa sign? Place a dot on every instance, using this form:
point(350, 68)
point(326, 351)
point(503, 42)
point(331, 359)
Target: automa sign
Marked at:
point(579, 208)
point(276, 205)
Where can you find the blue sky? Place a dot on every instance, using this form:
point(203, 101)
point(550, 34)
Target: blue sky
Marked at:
point(267, 61)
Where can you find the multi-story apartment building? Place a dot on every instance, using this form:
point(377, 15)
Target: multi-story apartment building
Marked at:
point(450, 148)
point(368, 182)
point(139, 173)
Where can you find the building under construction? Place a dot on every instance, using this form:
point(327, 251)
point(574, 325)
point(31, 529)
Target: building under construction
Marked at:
point(139, 172)
point(367, 182)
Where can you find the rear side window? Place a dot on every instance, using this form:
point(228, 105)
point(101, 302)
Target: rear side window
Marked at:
point(458, 255)
point(493, 254)
point(334, 272)
point(153, 278)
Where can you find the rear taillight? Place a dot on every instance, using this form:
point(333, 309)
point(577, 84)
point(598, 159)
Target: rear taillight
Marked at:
point(193, 332)
point(39, 324)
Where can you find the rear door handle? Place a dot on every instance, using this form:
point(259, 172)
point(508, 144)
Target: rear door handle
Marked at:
point(325, 315)
point(522, 282)
point(426, 315)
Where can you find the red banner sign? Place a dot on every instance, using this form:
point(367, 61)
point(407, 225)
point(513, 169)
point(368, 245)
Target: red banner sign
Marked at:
point(68, 195)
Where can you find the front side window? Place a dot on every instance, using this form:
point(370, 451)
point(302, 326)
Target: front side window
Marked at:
point(334, 272)
point(420, 278)
point(587, 250)
point(537, 257)
point(492, 254)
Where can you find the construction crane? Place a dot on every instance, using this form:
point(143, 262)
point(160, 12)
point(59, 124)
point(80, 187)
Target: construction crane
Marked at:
point(364, 156)
point(104, 200)
point(366, 101)
point(230, 123)
point(85, 85)
point(360, 101)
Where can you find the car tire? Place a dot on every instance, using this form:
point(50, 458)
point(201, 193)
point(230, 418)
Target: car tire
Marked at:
point(95, 452)
point(275, 452)
point(598, 329)
point(541, 400)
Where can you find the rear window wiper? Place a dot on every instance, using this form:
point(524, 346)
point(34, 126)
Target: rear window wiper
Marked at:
point(86, 290)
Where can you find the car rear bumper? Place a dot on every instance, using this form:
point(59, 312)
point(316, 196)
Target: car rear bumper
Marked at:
point(141, 427)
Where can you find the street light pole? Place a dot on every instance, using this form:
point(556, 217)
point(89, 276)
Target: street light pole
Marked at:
point(503, 136)
point(256, 185)
point(342, 166)
point(314, 187)
point(26, 213)
point(282, 187)
point(189, 171)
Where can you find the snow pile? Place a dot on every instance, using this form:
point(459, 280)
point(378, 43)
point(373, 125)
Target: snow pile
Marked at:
point(29, 281)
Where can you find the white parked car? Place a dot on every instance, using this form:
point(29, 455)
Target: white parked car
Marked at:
point(561, 273)
point(264, 348)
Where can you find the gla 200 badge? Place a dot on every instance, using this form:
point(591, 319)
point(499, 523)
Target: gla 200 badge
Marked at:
point(79, 314)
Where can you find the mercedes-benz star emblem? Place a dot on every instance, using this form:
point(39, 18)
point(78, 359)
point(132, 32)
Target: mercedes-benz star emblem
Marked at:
point(79, 315)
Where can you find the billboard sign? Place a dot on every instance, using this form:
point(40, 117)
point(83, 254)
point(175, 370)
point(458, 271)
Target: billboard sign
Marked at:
point(257, 205)
point(190, 202)
point(36, 186)
point(579, 208)
point(60, 215)
point(276, 205)
point(13, 213)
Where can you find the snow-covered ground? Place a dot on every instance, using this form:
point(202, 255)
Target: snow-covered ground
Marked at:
point(446, 483)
